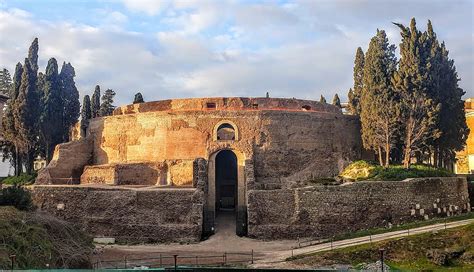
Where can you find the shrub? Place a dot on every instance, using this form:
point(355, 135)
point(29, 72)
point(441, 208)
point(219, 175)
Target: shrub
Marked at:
point(17, 197)
point(38, 239)
point(22, 179)
point(362, 170)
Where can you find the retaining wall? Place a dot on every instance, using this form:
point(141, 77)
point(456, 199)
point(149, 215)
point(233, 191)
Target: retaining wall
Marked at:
point(323, 211)
point(127, 214)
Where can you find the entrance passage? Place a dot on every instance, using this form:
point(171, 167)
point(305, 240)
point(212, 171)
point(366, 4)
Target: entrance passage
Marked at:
point(226, 181)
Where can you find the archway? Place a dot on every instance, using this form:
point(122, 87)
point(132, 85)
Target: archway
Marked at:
point(219, 164)
point(226, 181)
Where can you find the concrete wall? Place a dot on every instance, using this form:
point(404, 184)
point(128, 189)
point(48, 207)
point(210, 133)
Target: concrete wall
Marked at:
point(322, 211)
point(134, 215)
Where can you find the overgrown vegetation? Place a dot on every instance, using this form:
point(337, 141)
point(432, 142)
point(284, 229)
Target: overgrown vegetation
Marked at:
point(363, 170)
point(22, 179)
point(17, 197)
point(452, 248)
point(41, 241)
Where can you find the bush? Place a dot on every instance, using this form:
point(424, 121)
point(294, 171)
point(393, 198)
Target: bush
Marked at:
point(38, 239)
point(362, 170)
point(17, 197)
point(22, 179)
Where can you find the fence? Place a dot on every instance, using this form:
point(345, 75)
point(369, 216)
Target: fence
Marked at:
point(331, 243)
point(166, 260)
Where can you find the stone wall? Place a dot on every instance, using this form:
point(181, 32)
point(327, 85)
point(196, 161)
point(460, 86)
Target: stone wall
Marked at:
point(134, 215)
point(174, 173)
point(322, 211)
point(68, 163)
point(285, 146)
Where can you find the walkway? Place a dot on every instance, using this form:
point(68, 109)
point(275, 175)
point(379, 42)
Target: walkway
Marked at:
point(267, 253)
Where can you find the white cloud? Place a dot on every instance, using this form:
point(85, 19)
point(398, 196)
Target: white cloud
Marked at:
point(209, 48)
point(149, 7)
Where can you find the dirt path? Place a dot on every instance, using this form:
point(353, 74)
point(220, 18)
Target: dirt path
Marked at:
point(266, 253)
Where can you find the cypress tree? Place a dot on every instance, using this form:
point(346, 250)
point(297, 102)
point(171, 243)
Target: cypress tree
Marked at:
point(138, 98)
point(419, 111)
point(51, 119)
point(33, 55)
point(26, 112)
point(70, 97)
point(355, 93)
point(5, 82)
point(336, 101)
point(107, 107)
point(95, 103)
point(86, 114)
point(379, 102)
point(443, 87)
point(322, 99)
point(9, 133)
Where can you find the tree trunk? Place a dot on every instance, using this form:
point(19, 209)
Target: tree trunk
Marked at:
point(387, 154)
point(380, 156)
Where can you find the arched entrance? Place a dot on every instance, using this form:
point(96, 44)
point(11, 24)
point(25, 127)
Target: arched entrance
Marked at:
point(226, 181)
point(227, 191)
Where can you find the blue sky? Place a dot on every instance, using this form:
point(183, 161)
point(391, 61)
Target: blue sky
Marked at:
point(168, 49)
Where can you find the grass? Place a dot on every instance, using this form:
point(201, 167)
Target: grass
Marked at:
point(405, 226)
point(407, 253)
point(364, 170)
point(22, 179)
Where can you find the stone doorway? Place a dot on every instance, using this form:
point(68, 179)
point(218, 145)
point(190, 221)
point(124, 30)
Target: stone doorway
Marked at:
point(226, 181)
point(227, 191)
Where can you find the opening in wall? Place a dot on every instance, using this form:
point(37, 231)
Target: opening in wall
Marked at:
point(306, 108)
point(225, 132)
point(211, 106)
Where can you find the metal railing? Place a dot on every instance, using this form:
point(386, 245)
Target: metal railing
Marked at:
point(167, 260)
point(332, 243)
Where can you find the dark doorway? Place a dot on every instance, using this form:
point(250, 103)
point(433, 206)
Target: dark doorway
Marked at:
point(226, 181)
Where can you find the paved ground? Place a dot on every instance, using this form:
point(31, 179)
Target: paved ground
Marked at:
point(266, 253)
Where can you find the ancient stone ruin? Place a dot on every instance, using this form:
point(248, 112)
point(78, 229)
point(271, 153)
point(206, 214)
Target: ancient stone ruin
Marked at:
point(162, 171)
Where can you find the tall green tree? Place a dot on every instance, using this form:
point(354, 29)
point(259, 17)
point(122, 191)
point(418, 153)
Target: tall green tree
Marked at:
point(95, 102)
point(322, 99)
point(356, 92)
point(107, 107)
point(26, 112)
point(336, 101)
point(138, 98)
point(10, 146)
point(86, 114)
point(5, 82)
point(444, 89)
point(70, 97)
point(51, 118)
point(419, 111)
point(33, 55)
point(379, 101)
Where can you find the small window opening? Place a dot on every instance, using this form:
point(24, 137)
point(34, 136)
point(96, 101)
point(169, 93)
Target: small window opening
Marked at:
point(211, 106)
point(306, 108)
point(255, 106)
point(225, 132)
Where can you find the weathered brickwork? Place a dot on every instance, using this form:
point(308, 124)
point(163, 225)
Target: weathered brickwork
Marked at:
point(323, 211)
point(127, 214)
point(149, 173)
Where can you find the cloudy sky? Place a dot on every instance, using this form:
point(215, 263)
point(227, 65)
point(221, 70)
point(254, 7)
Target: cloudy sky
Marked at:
point(168, 49)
